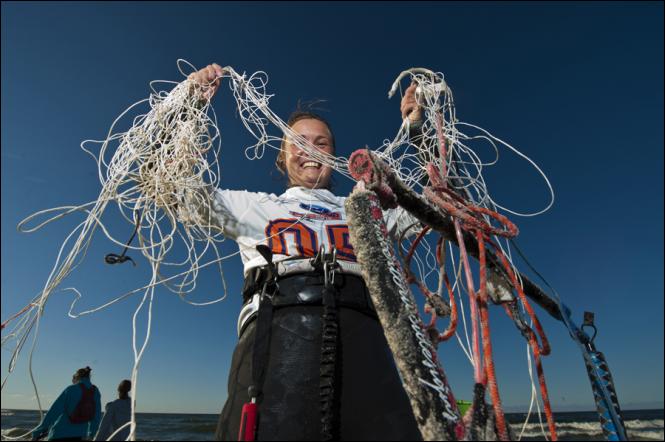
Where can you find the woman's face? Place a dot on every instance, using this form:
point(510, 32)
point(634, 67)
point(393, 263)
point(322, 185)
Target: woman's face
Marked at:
point(302, 170)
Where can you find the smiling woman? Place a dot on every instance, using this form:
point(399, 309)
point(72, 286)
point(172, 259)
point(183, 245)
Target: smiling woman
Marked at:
point(312, 361)
point(292, 161)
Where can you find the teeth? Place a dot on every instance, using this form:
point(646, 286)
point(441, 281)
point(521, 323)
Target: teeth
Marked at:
point(311, 164)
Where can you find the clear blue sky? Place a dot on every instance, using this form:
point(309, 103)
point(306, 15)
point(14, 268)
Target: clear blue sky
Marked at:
point(576, 86)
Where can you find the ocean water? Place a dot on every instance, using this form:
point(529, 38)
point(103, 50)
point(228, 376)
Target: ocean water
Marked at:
point(641, 425)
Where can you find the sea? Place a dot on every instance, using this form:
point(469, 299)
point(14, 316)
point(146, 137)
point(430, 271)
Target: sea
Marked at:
point(579, 426)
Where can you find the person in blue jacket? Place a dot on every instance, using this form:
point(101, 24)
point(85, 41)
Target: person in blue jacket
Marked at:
point(75, 414)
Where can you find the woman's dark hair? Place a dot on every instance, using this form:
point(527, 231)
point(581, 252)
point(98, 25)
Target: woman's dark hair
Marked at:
point(293, 119)
point(83, 373)
point(124, 387)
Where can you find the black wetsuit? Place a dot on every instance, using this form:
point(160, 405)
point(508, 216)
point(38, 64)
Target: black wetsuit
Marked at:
point(371, 402)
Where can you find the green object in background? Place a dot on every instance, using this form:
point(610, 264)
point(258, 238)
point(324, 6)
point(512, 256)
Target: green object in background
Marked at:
point(463, 406)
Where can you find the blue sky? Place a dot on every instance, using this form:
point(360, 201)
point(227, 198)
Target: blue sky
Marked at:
point(576, 86)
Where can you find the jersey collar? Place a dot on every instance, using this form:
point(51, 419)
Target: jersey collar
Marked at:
point(303, 193)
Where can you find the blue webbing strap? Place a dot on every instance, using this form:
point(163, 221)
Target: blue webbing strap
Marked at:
point(607, 403)
point(604, 393)
point(606, 422)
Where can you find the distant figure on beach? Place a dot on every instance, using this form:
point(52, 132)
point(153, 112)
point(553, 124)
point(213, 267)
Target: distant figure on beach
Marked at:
point(75, 414)
point(117, 414)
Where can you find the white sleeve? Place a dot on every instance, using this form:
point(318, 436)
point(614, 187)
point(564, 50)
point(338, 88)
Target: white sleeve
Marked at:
point(222, 209)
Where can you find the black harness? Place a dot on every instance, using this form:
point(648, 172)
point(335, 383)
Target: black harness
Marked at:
point(324, 286)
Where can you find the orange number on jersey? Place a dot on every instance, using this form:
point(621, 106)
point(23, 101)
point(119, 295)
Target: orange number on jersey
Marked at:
point(304, 238)
point(338, 236)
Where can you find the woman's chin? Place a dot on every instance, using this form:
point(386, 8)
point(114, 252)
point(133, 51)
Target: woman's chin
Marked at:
point(314, 182)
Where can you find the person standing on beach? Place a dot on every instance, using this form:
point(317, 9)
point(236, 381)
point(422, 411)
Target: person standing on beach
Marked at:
point(287, 381)
point(118, 413)
point(75, 414)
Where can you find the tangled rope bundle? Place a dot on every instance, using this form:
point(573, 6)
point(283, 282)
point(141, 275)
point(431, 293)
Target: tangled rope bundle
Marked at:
point(159, 175)
point(450, 173)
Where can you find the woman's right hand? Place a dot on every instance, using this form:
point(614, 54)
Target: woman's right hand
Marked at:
point(208, 76)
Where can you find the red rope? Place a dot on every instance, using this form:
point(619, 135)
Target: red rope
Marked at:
point(541, 379)
point(478, 369)
point(441, 189)
point(539, 349)
point(451, 296)
point(429, 295)
point(25, 309)
point(544, 347)
point(469, 214)
point(412, 249)
point(487, 342)
point(471, 217)
point(453, 313)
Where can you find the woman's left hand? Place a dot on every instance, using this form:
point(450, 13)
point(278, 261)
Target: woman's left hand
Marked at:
point(409, 106)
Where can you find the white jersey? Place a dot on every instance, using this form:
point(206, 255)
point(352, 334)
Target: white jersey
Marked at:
point(294, 224)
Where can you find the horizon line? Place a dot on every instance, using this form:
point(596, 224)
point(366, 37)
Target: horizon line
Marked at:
point(662, 408)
